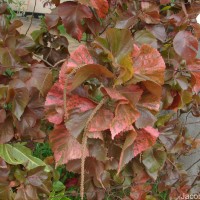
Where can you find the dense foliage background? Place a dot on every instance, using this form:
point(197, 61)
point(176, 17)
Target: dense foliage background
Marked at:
point(94, 99)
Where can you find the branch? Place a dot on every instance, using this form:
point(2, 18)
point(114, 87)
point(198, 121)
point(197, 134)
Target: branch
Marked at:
point(31, 17)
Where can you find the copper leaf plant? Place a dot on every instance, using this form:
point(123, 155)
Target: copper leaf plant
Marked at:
point(104, 86)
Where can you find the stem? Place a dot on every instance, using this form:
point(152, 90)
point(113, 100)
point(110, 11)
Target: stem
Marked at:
point(84, 144)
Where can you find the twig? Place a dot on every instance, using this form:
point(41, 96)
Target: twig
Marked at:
point(193, 165)
point(31, 17)
point(45, 61)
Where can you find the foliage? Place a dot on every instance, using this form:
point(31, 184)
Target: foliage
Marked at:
point(137, 57)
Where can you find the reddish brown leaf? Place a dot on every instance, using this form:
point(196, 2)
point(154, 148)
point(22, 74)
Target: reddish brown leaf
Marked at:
point(150, 13)
point(73, 24)
point(20, 98)
point(146, 138)
point(165, 1)
point(6, 131)
point(2, 115)
point(79, 57)
point(54, 104)
point(64, 146)
point(52, 19)
point(41, 78)
point(89, 71)
point(125, 115)
point(114, 94)
point(100, 5)
point(195, 71)
point(148, 65)
point(139, 192)
point(186, 45)
point(101, 121)
point(127, 150)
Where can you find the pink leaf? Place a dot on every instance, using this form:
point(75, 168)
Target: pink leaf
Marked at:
point(146, 138)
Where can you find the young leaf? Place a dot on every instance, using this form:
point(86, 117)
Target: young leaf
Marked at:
point(17, 154)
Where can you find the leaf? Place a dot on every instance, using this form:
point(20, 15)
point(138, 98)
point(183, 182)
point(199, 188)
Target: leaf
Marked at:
point(145, 119)
point(23, 45)
point(41, 78)
point(165, 1)
point(80, 57)
point(17, 154)
point(73, 24)
point(21, 97)
point(125, 115)
point(40, 179)
point(64, 146)
point(76, 122)
point(90, 71)
point(6, 131)
point(101, 121)
point(118, 45)
point(195, 71)
point(158, 31)
point(145, 37)
point(186, 45)
point(127, 150)
point(146, 138)
point(26, 192)
point(54, 104)
point(101, 6)
point(2, 115)
point(153, 160)
point(148, 65)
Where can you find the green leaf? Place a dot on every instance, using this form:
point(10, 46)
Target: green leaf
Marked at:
point(58, 186)
point(19, 154)
point(153, 160)
point(118, 45)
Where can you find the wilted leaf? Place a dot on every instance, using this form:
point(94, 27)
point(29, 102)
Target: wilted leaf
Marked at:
point(64, 145)
point(73, 24)
point(146, 138)
point(186, 45)
point(17, 154)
